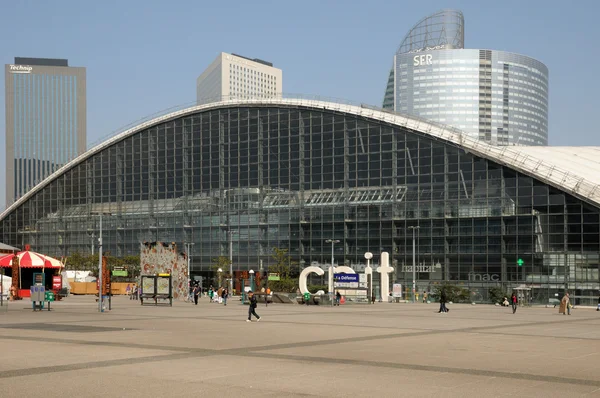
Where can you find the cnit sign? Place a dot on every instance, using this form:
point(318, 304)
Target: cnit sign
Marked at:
point(20, 69)
point(420, 60)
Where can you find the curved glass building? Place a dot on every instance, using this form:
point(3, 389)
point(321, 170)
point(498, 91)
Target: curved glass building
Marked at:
point(495, 96)
point(292, 173)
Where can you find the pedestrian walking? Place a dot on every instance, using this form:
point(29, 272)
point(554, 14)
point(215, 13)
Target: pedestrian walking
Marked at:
point(252, 307)
point(196, 293)
point(598, 308)
point(267, 297)
point(443, 308)
point(565, 305)
point(425, 295)
point(373, 299)
point(514, 302)
point(338, 298)
point(224, 295)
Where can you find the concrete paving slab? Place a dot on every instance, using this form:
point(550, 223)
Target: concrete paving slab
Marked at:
point(355, 350)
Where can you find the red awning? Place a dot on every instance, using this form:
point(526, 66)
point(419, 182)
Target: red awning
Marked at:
point(29, 259)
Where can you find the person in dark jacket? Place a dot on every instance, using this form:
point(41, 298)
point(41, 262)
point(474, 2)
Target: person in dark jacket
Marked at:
point(338, 298)
point(224, 295)
point(252, 307)
point(443, 302)
point(514, 302)
point(598, 309)
point(196, 294)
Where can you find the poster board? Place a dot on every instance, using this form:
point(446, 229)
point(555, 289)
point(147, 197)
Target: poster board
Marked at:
point(397, 290)
point(163, 285)
point(148, 284)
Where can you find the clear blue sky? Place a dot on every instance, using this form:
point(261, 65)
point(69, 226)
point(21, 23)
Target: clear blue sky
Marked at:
point(144, 56)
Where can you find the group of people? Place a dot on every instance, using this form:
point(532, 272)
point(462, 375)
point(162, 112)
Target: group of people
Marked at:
point(133, 292)
point(216, 295)
point(213, 294)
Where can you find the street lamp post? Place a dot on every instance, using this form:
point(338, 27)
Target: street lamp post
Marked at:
point(332, 282)
point(229, 233)
point(414, 268)
point(100, 281)
point(368, 257)
point(251, 272)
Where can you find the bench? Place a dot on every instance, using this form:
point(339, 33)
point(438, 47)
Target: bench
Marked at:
point(157, 297)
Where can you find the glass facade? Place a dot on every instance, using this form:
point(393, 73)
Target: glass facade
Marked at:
point(498, 97)
point(293, 176)
point(45, 121)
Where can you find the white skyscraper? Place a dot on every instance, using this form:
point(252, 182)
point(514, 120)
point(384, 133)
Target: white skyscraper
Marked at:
point(234, 76)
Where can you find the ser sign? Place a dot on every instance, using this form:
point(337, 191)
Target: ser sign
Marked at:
point(420, 60)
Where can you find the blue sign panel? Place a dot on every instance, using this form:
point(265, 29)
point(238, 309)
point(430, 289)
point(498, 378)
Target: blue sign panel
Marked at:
point(345, 278)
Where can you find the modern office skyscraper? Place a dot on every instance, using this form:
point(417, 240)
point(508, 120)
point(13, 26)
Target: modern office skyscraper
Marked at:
point(234, 76)
point(45, 120)
point(495, 96)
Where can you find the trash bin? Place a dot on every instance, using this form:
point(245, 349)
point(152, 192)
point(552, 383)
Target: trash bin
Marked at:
point(306, 298)
point(49, 296)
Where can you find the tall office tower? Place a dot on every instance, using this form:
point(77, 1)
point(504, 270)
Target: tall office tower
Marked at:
point(495, 96)
point(232, 76)
point(45, 120)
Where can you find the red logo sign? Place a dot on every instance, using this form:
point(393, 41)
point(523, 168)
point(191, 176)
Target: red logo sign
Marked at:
point(56, 282)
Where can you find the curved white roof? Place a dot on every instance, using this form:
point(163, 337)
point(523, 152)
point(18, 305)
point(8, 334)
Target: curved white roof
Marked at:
point(572, 169)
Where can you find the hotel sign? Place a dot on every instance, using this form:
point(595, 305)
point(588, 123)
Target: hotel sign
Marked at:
point(20, 68)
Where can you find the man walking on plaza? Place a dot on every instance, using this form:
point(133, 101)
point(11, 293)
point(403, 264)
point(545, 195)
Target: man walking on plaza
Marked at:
point(514, 302)
point(196, 294)
point(252, 307)
point(443, 302)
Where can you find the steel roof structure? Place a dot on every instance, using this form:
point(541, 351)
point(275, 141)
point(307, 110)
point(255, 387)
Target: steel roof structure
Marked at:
point(575, 170)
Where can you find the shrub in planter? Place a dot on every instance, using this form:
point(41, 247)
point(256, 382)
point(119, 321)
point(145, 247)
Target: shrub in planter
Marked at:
point(496, 294)
point(454, 294)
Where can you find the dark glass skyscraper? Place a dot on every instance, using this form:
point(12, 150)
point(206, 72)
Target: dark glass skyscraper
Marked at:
point(45, 120)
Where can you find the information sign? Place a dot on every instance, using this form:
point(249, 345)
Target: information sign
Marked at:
point(397, 290)
point(56, 282)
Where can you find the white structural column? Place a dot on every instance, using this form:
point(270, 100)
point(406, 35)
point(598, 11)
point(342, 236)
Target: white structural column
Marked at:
point(384, 270)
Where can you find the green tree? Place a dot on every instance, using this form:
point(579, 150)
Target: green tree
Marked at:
point(80, 262)
point(223, 263)
point(283, 263)
point(496, 294)
point(130, 263)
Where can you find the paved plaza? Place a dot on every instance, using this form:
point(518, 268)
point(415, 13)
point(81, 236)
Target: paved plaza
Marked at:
point(387, 350)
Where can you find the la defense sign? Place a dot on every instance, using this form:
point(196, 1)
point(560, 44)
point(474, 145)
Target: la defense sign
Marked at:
point(384, 270)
